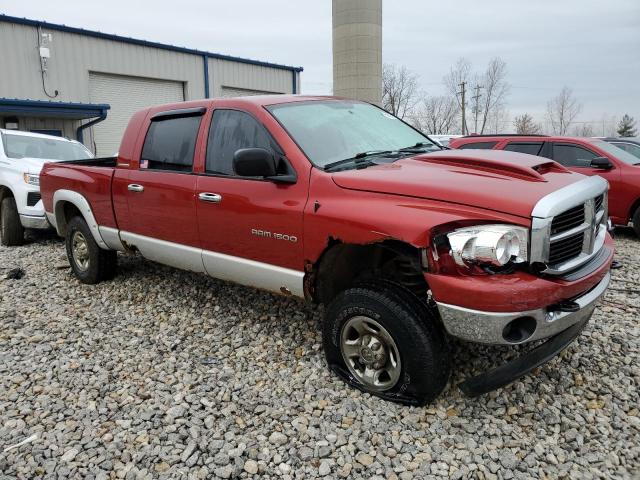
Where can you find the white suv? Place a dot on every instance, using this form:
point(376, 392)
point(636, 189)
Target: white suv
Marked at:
point(22, 155)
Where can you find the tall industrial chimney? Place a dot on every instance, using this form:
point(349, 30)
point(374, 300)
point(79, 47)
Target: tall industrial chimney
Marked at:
point(357, 49)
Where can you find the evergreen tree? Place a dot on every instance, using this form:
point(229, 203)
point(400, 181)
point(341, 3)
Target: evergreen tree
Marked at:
point(627, 126)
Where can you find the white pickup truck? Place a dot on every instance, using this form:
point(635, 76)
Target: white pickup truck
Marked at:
point(22, 155)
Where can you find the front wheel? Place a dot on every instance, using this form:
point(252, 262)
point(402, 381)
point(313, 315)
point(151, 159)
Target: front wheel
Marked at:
point(382, 339)
point(90, 263)
point(11, 230)
point(636, 221)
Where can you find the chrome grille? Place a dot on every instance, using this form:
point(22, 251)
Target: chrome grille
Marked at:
point(599, 201)
point(569, 226)
point(566, 249)
point(568, 220)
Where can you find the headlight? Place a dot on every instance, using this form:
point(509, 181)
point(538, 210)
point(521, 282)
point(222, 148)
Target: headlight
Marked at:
point(489, 244)
point(31, 179)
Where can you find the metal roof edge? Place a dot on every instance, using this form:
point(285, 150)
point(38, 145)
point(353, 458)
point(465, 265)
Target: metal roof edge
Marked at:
point(51, 104)
point(143, 43)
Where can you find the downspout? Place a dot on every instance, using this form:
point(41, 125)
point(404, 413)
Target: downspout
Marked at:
point(79, 133)
point(205, 60)
point(294, 86)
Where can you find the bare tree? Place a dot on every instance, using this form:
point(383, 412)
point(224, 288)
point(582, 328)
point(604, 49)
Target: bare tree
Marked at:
point(525, 125)
point(583, 130)
point(498, 120)
point(458, 74)
point(400, 92)
point(496, 90)
point(562, 110)
point(436, 114)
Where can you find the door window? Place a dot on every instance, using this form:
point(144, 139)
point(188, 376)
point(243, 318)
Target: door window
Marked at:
point(572, 155)
point(170, 144)
point(230, 131)
point(530, 148)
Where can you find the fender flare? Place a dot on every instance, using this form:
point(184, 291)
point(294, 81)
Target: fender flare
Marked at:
point(60, 197)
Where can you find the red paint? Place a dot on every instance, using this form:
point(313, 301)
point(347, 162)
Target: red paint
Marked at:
point(623, 178)
point(408, 201)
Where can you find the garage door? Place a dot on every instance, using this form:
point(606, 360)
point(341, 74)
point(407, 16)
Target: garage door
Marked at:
point(126, 95)
point(243, 92)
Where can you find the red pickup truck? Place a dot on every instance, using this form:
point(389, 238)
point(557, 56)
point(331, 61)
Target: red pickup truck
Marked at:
point(338, 202)
point(588, 156)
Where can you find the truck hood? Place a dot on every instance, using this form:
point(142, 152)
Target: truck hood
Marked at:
point(507, 182)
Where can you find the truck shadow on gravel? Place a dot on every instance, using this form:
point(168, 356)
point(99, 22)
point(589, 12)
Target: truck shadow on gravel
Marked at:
point(298, 326)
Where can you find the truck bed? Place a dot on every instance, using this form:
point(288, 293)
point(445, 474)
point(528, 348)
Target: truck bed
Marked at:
point(91, 178)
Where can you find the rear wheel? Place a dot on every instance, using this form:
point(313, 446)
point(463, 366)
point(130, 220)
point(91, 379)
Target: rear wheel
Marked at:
point(382, 339)
point(11, 230)
point(90, 263)
point(636, 221)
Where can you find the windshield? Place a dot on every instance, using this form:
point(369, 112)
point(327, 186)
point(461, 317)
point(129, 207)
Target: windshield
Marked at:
point(333, 130)
point(620, 154)
point(21, 146)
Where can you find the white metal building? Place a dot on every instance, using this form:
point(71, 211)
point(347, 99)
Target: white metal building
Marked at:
point(86, 84)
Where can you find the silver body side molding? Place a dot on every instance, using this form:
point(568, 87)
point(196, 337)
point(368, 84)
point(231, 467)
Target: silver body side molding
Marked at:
point(62, 196)
point(111, 237)
point(218, 265)
point(254, 274)
point(167, 253)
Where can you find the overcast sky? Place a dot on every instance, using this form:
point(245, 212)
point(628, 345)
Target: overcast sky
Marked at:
point(592, 46)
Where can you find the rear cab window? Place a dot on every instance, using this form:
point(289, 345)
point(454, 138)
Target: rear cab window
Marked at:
point(478, 146)
point(171, 141)
point(531, 148)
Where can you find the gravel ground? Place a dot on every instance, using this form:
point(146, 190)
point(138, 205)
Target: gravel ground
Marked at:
point(166, 374)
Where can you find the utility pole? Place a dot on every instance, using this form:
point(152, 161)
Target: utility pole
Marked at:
point(463, 103)
point(476, 106)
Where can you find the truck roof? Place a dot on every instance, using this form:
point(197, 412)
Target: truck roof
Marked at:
point(254, 100)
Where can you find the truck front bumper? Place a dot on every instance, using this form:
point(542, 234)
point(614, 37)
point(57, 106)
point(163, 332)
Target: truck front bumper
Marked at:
point(511, 371)
point(513, 328)
point(35, 221)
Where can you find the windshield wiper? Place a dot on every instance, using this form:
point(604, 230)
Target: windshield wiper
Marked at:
point(418, 147)
point(357, 159)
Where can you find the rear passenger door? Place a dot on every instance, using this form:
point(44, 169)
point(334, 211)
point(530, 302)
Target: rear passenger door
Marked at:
point(161, 191)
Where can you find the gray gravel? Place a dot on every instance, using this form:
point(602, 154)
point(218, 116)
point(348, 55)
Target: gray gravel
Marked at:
point(166, 374)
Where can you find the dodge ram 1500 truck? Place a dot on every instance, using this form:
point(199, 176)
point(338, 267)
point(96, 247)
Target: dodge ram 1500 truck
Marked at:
point(339, 202)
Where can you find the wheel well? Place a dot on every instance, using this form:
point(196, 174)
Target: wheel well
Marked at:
point(5, 192)
point(342, 265)
point(65, 211)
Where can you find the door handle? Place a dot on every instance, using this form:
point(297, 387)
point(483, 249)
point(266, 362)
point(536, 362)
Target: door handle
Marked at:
point(210, 197)
point(134, 187)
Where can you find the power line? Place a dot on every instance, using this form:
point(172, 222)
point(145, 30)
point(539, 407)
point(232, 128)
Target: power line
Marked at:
point(463, 104)
point(476, 110)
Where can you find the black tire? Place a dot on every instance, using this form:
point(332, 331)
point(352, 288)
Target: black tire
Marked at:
point(636, 221)
point(11, 230)
point(96, 264)
point(422, 345)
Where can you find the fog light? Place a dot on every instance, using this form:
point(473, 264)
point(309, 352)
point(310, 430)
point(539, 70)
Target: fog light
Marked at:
point(519, 330)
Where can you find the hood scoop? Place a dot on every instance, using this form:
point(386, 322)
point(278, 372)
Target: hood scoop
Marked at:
point(525, 171)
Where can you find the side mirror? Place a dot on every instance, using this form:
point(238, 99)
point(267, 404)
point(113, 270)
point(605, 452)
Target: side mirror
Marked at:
point(254, 162)
point(602, 163)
